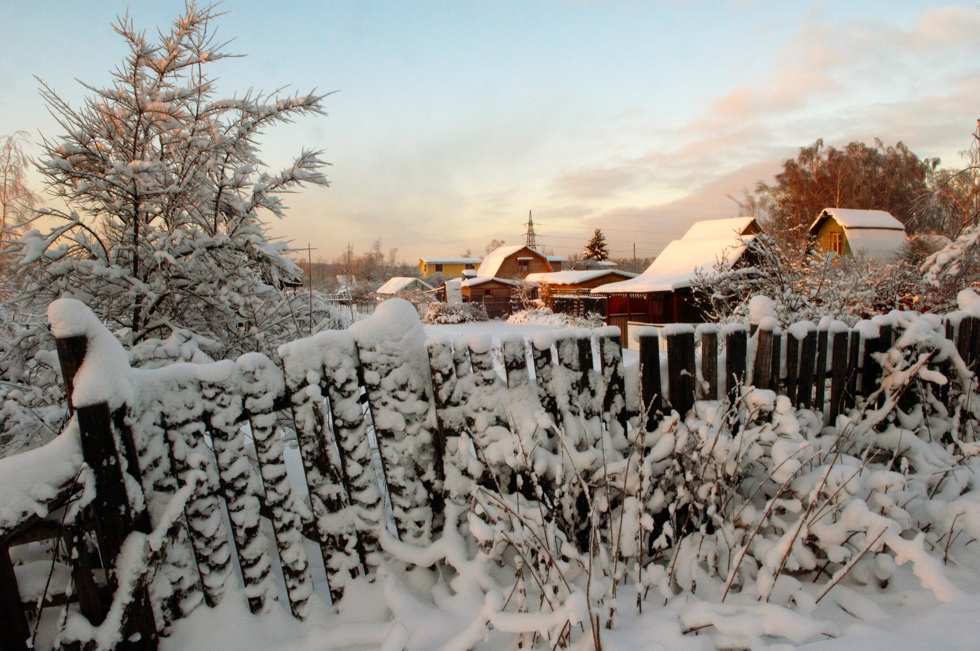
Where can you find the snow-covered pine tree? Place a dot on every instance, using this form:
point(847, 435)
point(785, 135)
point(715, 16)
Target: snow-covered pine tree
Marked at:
point(595, 248)
point(165, 197)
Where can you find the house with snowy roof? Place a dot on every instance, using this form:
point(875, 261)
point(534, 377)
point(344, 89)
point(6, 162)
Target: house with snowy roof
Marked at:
point(501, 271)
point(452, 267)
point(850, 232)
point(399, 284)
point(662, 294)
point(575, 282)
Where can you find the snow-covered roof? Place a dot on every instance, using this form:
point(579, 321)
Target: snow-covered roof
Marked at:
point(401, 283)
point(710, 229)
point(873, 233)
point(473, 261)
point(705, 244)
point(850, 218)
point(678, 264)
point(491, 264)
point(574, 277)
point(479, 280)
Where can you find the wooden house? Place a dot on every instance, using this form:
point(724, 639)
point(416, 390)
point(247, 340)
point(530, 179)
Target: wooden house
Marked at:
point(574, 283)
point(849, 232)
point(500, 272)
point(452, 267)
point(662, 294)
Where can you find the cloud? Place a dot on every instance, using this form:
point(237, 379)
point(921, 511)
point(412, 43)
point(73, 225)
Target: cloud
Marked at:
point(600, 181)
point(844, 80)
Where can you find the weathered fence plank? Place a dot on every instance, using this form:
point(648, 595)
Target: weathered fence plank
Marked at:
point(651, 389)
point(805, 385)
point(223, 402)
point(261, 384)
point(762, 369)
point(613, 383)
point(736, 346)
point(115, 517)
point(680, 368)
point(839, 373)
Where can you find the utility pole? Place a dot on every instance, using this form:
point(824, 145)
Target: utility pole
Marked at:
point(530, 239)
point(309, 277)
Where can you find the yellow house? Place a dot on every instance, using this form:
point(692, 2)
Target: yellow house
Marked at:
point(452, 267)
point(849, 232)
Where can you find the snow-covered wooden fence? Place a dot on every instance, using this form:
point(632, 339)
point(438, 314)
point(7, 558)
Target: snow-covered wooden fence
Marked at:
point(391, 430)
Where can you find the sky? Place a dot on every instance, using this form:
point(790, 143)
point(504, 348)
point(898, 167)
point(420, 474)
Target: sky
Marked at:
point(450, 122)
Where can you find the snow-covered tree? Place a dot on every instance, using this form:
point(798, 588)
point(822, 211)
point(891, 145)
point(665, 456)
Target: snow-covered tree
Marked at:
point(956, 197)
point(16, 199)
point(595, 248)
point(166, 197)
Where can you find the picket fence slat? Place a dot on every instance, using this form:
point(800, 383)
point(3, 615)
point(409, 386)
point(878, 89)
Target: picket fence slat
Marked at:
point(651, 391)
point(224, 404)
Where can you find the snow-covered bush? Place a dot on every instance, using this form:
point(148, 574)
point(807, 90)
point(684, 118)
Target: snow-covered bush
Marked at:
point(545, 316)
point(455, 313)
point(808, 289)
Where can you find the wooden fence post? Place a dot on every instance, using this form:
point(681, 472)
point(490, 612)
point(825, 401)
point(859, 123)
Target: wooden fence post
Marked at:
point(14, 631)
point(515, 361)
point(839, 373)
point(651, 391)
point(853, 359)
point(736, 348)
point(804, 387)
point(870, 368)
point(111, 507)
point(614, 382)
point(680, 369)
point(544, 372)
point(762, 369)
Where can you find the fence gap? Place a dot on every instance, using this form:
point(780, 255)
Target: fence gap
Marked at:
point(709, 362)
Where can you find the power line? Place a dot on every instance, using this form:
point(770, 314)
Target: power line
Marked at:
point(604, 230)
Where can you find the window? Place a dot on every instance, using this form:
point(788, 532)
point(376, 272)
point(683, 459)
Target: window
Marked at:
point(438, 268)
point(837, 243)
point(523, 264)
